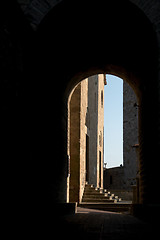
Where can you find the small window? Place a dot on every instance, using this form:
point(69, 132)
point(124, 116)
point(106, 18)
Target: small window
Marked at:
point(100, 139)
point(102, 98)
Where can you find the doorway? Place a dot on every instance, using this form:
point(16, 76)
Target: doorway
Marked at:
point(100, 168)
point(87, 158)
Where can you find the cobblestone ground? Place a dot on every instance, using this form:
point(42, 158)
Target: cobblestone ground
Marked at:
point(94, 224)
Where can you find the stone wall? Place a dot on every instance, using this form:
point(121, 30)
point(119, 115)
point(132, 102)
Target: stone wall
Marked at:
point(75, 111)
point(96, 126)
point(83, 132)
point(130, 136)
point(100, 130)
point(86, 120)
point(93, 124)
point(113, 178)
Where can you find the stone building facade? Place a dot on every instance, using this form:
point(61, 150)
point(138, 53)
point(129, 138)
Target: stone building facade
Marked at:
point(122, 179)
point(86, 126)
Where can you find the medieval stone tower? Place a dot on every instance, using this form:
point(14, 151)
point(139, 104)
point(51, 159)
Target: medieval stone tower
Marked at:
point(86, 127)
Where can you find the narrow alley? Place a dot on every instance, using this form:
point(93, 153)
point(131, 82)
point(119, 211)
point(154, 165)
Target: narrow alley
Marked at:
point(97, 225)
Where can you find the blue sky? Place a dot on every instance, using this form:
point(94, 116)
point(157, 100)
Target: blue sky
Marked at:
point(113, 121)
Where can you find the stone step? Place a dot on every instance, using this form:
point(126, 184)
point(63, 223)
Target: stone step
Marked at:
point(95, 193)
point(114, 207)
point(89, 186)
point(92, 194)
point(98, 200)
point(92, 189)
point(95, 189)
point(97, 196)
point(109, 194)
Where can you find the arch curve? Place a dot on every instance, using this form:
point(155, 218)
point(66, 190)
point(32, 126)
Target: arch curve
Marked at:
point(74, 42)
point(103, 38)
point(95, 42)
point(36, 10)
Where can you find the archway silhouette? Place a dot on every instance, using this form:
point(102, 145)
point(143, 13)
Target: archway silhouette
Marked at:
point(45, 50)
point(108, 40)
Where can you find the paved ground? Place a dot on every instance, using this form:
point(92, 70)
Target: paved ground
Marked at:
point(98, 225)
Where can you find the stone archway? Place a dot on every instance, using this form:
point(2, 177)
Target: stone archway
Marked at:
point(82, 51)
point(73, 41)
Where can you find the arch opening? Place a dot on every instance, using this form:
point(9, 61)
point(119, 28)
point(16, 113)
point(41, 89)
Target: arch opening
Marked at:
point(72, 41)
point(129, 53)
point(86, 142)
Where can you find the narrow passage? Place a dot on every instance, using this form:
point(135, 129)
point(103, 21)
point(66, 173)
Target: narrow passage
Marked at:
point(89, 224)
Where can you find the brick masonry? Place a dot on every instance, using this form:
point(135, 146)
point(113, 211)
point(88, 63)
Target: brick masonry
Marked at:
point(86, 121)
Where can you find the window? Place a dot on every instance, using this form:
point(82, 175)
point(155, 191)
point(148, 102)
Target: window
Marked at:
point(102, 98)
point(100, 139)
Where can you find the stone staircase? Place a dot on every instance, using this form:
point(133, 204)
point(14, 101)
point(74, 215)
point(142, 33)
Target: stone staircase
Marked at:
point(97, 195)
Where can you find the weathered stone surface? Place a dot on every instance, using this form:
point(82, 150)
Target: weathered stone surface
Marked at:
point(86, 125)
